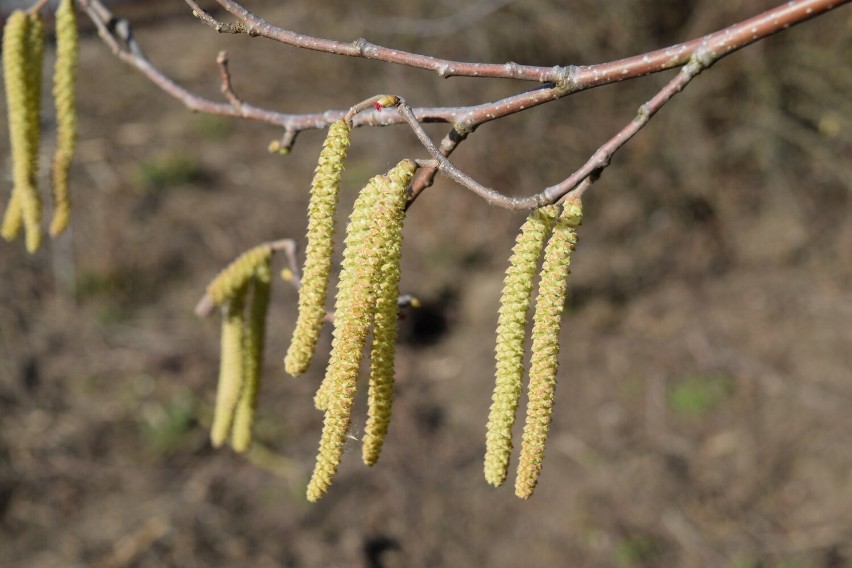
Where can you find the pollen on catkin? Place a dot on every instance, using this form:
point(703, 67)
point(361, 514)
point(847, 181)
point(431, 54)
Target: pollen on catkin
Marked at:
point(354, 310)
point(64, 81)
point(545, 346)
point(255, 329)
point(23, 52)
point(354, 246)
point(230, 368)
point(383, 348)
point(511, 335)
point(312, 294)
point(236, 275)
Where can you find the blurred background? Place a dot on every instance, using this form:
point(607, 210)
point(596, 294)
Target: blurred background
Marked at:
point(703, 410)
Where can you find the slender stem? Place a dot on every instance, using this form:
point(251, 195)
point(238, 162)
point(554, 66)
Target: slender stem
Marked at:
point(225, 76)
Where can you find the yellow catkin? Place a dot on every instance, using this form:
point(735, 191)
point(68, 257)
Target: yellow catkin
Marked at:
point(236, 275)
point(511, 334)
point(64, 80)
point(255, 331)
point(545, 346)
point(13, 219)
point(30, 198)
point(354, 246)
point(354, 311)
point(230, 368)
point(312, 294)
point(383, 349)
point(23, 49)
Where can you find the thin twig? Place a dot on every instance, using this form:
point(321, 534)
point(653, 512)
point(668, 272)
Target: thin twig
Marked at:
point(426, 176)
point(225, 76)
point(725, 41)
point(594, 166)
point(37, 6)
point(464, 119)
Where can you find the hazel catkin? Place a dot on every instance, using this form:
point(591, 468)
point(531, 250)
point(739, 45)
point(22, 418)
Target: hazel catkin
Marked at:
point(511, 335)
point(230, 367)
point(23, 53)
point(354, 309)
point(242, 429)
point(544, 362)
point(64, 81)
point(312, 294)
point(383, 348)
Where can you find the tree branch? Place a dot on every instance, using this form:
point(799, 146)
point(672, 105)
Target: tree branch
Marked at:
point(694, 56)
point(725, 41)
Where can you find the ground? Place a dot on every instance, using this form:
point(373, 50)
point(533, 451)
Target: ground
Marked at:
point(705, 382)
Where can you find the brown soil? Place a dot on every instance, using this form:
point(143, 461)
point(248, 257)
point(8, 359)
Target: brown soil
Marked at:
point(702, 416)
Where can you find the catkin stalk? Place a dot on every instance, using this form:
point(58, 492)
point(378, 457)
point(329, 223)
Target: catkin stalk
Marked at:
point(549, 306)
point(64, 81)
point(366, 234)
point(255, 331)
point(230, 368)
point(383, 349)
point(312, 294)
point(511, 335)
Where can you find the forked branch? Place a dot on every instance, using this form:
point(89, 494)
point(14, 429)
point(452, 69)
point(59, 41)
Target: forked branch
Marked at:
point(559, 81)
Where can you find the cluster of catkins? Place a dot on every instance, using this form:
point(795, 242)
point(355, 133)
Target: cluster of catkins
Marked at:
point(368, 290)
point(23, 53)
point(367, 299)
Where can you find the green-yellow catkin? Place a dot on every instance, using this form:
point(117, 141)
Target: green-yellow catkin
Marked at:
point(511, 335)
point(236, 275)
point(545, 345)
point(64, 81)
point(23, 51)
point(13, 219)
point(383, 349)
point(30, 199)
point(312, 294)
point(354, 246)
point(255, 330)
point(354, 310)
point(230, 367)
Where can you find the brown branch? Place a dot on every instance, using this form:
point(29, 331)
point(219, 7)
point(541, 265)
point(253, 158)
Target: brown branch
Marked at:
point(464, 119)
point(225, 76)
point(726, 40)
point(426, 175)
point(699, 54)
point(593, 167)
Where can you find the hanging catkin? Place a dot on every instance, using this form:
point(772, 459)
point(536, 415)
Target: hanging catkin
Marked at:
point(545, 345)
point(373, 213)
point(323, 203)
point(64, 81)
point(23, 52)
point(383, 349)
point(253, 340)
point(511, 335)
point(230, 367)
